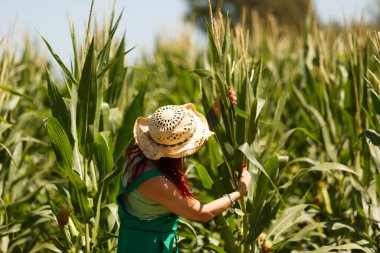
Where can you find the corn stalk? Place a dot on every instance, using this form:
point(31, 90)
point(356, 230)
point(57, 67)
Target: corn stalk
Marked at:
point(90, 127)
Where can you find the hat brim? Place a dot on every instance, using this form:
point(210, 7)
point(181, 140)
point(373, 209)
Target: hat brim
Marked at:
point(155, 151)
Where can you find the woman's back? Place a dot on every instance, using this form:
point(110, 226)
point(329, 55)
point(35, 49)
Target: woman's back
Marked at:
point(135, 203)
point(146, 226)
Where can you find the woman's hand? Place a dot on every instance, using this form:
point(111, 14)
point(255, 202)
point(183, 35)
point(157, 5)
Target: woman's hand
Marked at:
point(245, 180)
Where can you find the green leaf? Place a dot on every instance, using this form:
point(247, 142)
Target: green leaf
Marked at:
point(348, 246)
point(227, 38)
point(377, 182)
point(330, 148)
point(256, 108)
point(16, 92)
point(241, 113)
point(247, 152)
point(287, 135)
point(214, 122)
point(78, 195)
point(105, 52)
point(119, 58)
point(65, 70)
point(227, 110)
point(2, 146)
point(262, 220)
point(58, 107)
point(205, 178)
point(214, 53)
point(61, 143)
point(40, 247)
point(373, 136)
point(226, 233)
point(63, 151)
point(213, 248)
point(4, 126)
point(241, 121)
point(125, 133)
point(263, 184)
point(189, 226)
point(64, 154)
point(287, 219)
point(305, 231)
point(75, 51)
point(27, 198)
point(326, 200)
point(140, 69)
point(276, 120)
point(98, 214)
point(203, 73)
point(116, 78)
point(376, 101)
point(103, 156)
point(328, 167)
point(87, 97)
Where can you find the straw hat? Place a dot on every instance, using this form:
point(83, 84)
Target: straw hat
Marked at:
point(171, 131)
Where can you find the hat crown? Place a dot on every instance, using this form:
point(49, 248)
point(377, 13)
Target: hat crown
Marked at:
point(171, 125)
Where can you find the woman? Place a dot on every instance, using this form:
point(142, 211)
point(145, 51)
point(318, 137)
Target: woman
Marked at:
point(154, 192)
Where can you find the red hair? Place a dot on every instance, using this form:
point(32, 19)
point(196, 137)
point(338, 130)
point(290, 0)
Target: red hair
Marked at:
point(172, 168)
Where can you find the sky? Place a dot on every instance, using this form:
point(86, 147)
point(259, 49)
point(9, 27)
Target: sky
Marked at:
point(142, 22)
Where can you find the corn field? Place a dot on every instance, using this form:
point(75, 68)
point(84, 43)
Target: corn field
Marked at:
point(302, 110)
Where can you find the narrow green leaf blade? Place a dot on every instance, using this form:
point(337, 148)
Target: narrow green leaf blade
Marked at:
point(125, 133)
point(205, 178)
point(247, 152)
point(61, 144)
point(58, 107)
point(87, 97)
point(65, 70)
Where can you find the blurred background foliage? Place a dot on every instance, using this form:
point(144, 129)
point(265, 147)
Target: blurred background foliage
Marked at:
point(288, 13)
point(306, 119)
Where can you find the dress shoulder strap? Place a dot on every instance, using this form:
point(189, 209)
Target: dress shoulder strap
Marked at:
point(142, 177)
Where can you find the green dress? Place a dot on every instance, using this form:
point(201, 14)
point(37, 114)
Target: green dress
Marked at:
point(145, 236)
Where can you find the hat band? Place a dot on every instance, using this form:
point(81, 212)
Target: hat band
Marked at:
point(176, 144)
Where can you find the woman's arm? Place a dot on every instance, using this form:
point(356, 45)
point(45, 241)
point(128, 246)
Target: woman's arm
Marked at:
point(163, 191)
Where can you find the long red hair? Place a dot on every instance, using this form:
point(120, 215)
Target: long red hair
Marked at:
point(172, 168)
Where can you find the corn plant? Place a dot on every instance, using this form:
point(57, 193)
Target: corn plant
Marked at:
point(89, 129)
point(334, 106)
point(25, 217)
point(234, 119)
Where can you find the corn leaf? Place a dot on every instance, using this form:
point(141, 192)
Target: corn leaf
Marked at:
point(61, 143)
point(263, 219)
point(276, 120)
point(348, 246)
point(87, 98)
point(65, 70)
point(103, 156)
point(256, 108)
point(205, 178)
point(248, 154)
point(125, 133)
point(16, 92)
point(213, 248)
point(58, 108)
point(373, 136)
point(203, 73)
point(284, 221)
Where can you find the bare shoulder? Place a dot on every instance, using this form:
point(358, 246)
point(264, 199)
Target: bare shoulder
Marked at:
point(157, 184)
point(158, 188)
